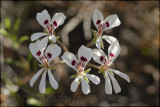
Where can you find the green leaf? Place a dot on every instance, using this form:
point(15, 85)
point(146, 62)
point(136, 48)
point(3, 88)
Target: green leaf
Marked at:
point(86, 79)
point(57, 37)
point(94, 40)
point(94, 33)
point(14, 62)
point(100, 71)
point(86, 71)
point(16, 25)
point(4, 32)
point(7, 23)
point(34, 102)
point(73, 76)
point(23, 38)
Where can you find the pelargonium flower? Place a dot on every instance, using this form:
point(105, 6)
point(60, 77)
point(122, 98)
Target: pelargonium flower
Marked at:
point(49, 24)
point(84, 56)
point(101, 25)
point(44, 57)
point(100, 57)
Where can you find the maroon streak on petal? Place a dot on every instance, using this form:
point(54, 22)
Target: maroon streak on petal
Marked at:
point(55, 23)
point(111, 54)
point(38, 53)
point(49, 55)
point(73, 62)
point(83, 59)
point(107, 24)
point(46, 22)
point(98, 22)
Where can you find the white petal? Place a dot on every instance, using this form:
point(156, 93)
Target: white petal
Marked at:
point(42, 85)
point(85, 52)
point(115, 50)
point(33, 47)
point(98, 42)
point(121, 74)
point(52, 81)
point(93, 78)
point(97, 15)
point(85, 86)
point(75, 84)
point(108, 86)
point(54, 50)
point(43, 43)
point(53, 38)
point(68, 58)
point(116, 86)
point(113, 21)
point(110, 39)
point(36, 36)
point(59, 18)
point(97, 54)
point(41, 17)
point(34, 78)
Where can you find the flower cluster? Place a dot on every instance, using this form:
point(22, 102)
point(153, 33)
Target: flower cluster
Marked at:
point(45, 54)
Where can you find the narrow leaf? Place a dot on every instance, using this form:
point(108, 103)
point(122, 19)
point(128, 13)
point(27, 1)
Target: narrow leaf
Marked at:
point(94, 40)
point(73, 76)
point(23, 38)
point(94, 33)
point(7, 23)
point(86, 71)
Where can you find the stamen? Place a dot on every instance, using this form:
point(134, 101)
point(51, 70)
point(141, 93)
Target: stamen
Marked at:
point(46, 22)
point(38, 53)
point(107, 24)
point(98, 22)
point(112, 55)
point(55, 23)
point(49, 55)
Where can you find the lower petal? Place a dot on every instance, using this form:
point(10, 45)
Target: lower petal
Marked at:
point(116, 86)
point(93, 78)
point(98, 42)
point(108, 86)
point(85, 86)
point(52, 81)
point(42, 86)
point(34, 78)
point(75, 84)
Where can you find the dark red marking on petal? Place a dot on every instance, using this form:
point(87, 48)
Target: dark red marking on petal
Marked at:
point(83, 59)
point(101, 58)
point(107, 24)
point(73, 62)
point(111, 54)
point(49, 55)
point(98, 22)
point(46, 22)
point(55, 23)
point(38, 53)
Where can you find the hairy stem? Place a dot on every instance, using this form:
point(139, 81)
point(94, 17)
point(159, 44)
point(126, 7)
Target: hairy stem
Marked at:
point(93, 66)
point(62, 46)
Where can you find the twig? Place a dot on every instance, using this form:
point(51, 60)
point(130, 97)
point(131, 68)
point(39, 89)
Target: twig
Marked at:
point(94, 66)
point(62, 46)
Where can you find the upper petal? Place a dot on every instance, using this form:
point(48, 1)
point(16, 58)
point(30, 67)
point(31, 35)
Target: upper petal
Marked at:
point(43, 43)
point(52, 81)
point(95, 79)
point(99, 56)
point(42, 85)
point(97, 18)
point(85, 86)
point(121, 74)
point(116, 86)
point(36, 36)
point(42, 17)
point(108, 86)
point(69, 58)
point(33, 47)
point(75, 84)
point(111, 21)
point(85, 55)
point(52, 52)
point(113, 51)
point(59, 19)
point(34, 78)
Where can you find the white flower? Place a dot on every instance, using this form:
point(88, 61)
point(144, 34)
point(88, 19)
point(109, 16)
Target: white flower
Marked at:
point(49, 24)
point(100, 57)
point(101, 24)
point(84, 56)
point(44, 58)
